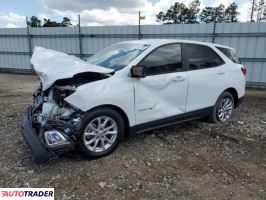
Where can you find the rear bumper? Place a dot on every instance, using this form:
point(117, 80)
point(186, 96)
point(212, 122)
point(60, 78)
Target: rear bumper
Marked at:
point(39, 152)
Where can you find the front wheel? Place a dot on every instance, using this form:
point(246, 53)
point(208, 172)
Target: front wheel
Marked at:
point(101, 132)
point(223, 109)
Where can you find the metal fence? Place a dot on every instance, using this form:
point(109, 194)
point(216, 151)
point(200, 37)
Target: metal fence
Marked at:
point(249, 39)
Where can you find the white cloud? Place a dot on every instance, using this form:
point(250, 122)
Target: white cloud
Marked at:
point(163, 5)
point(12, 17)
point(109, 16)
point(107, 12)
point(77, 5)
point(244, 11)
point(41, 16)
point(12, 20)
point(224, 2)
point(115, 13)
point(10, 25)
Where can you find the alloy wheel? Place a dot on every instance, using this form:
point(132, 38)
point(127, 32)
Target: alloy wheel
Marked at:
point(100, 134)
point(225, 109)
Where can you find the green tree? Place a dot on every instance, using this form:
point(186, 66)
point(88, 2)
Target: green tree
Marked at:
point(207, 15)
point(231, 13)
point(264, 14)
point(160, 17)
point(179, 13)
point(213, 14)
point(193, 10)
point(66, 22)
point(260, 10)
point(49, 23)
point(34, 22)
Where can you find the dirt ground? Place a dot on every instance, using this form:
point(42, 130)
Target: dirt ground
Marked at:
point(192, 160)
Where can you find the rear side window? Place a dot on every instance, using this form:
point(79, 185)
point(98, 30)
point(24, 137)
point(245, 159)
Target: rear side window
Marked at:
point(165, 59)
point(230, 53)
point(201, 57)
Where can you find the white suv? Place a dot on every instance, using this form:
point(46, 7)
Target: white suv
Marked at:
point(131, 86)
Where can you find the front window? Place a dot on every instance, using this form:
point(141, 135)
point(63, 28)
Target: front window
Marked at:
point(165, 59)
point(117, 56)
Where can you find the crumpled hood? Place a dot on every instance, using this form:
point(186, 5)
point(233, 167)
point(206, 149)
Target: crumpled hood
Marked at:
point(52, 65)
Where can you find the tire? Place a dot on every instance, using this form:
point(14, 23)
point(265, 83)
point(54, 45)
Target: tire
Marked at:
point(215, 116)
point(91, 133)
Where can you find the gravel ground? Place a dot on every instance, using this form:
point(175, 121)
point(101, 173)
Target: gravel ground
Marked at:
point(192, 160)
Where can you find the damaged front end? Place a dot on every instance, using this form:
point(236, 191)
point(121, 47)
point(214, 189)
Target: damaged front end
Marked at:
point(50, 126)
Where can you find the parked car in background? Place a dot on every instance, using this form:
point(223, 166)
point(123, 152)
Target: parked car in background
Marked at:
point(131, 86)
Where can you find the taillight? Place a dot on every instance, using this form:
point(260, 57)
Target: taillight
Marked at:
point(244, 70)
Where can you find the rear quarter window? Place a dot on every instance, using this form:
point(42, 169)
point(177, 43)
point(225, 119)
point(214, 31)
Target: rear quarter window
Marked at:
point(202, 57)
point(229, 53)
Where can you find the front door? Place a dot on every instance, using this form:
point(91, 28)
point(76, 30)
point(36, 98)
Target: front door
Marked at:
point(163, 92)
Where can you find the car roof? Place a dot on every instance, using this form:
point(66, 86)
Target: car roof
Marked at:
point(158, 42)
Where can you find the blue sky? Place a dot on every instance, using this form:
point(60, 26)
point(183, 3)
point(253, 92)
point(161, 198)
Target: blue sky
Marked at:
point(22, 7)
point(13, 12)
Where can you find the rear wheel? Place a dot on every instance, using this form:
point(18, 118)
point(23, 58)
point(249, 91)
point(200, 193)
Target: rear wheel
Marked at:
point(223, 109)
point(102, 131)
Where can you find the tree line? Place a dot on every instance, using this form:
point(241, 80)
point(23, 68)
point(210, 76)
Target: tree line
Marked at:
point(35, 22)
point(258, 10)
point(179, 13)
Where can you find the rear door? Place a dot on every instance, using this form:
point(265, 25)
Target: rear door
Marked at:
point(163, 92)
point(207, 76)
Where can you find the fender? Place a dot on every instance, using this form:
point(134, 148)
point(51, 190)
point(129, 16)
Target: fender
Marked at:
point(88, 96)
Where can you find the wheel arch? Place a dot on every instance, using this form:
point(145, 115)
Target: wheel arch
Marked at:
point(119, 110)
point(234, 93)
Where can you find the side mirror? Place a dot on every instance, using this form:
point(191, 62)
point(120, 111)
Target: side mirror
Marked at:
point(137, 71)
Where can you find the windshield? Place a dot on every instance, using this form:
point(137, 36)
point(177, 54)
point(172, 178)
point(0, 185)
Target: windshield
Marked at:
point(117, 56)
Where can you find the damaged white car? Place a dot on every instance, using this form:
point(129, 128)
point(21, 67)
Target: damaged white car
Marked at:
point(131, 86)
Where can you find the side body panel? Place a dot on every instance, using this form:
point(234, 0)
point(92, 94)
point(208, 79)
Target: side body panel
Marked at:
point(236, 78)
point(206, 85)
point(116, 90)
point(160, 96)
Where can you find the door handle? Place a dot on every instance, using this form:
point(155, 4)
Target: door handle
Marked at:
point(220, 72)
point(179, 78)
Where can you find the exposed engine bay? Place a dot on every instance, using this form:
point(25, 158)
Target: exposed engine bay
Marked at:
point(51, 125)
point(56, 122)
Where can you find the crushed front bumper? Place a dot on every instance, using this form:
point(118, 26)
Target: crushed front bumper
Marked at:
point(40, 153)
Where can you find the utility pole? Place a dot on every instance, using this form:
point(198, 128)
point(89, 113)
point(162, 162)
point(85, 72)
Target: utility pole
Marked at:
point(252, 10)
point(214, 31)
point(29, 36)
point(29, 41)
point(80, 39)
point(139, 26)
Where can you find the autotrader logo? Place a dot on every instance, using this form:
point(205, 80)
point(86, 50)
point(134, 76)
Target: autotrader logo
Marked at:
point(27, 193)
